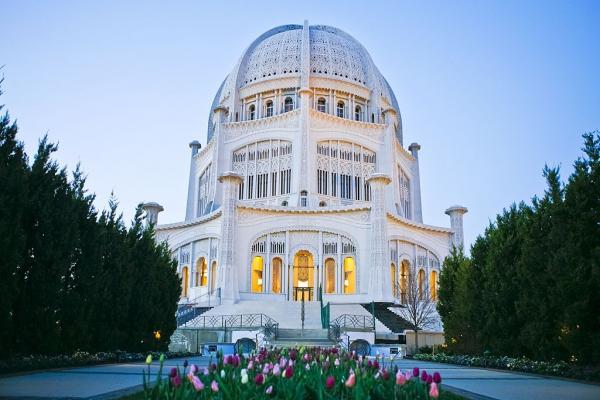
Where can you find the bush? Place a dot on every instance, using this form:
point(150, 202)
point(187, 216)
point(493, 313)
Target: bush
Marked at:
point(556, 368)
point(297, 373)
point(80, 358)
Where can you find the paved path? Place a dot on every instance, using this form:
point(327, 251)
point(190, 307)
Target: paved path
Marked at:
point(482, 383)
point(115, 380)
point(95, 382)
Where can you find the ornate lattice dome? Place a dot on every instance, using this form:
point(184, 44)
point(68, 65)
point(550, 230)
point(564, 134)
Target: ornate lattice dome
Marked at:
point(278, 53)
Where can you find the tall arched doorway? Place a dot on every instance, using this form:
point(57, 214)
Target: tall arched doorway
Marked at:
point(330, 275)
point(304, 277)
point(213, 275)
point(349, 275)
point(185, 278)
point(276, 267)
point(256, 269)
point(404, 271)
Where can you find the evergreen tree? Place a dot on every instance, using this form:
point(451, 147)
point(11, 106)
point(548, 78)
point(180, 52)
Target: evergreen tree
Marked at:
point(13, 194)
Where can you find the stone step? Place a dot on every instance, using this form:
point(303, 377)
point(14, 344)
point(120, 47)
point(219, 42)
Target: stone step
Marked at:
point(299, 333)
point(305, 343)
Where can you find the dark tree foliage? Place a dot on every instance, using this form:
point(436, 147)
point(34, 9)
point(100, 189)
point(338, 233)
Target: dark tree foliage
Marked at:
point(71, 278)
point(532, 284)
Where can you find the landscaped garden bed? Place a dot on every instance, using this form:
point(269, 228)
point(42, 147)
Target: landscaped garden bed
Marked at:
point(77, 359)
point(297, 373)
point(557, 368)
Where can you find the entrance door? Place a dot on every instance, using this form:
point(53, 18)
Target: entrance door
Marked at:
point(304, 276)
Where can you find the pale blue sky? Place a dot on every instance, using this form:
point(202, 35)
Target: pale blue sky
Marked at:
point(491, 90)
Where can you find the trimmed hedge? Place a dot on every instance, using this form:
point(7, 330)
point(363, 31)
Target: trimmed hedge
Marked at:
point(79, 358)
point(557, 368)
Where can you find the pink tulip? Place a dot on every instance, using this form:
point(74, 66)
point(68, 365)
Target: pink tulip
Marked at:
point(329, 382)
point(400, 378)
point(176, 381)
point(350, 381)
point(276, 370)
point(407, 375)
point(214, 386)
point(197, 383)
point(251, 364)
point(433, 391)
point(193, 369)
point(282, 362)
point(269, 390)
point(266, 369)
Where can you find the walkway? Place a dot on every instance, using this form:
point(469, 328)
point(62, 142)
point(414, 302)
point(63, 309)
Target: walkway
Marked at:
point(479, 383)
point(115, 380)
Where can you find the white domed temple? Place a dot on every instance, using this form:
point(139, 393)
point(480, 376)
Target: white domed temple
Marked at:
point(305, 189)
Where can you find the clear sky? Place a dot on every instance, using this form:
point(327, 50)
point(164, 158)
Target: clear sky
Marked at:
point(491, 90)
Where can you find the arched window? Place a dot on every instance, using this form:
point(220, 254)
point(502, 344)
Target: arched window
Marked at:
point(276, 275)
point(349, 275)
point(433, 282)
point(421, 284)
point(340, 109)
point(201, 272)
point(252, 112)
point(213, 275)
point(372, 118)
point(404, 189)
point(256, 269)
point(329, 275)
point(284, 203)
point(185, 279)
point(303, 198)
point(322, 105)
point(357, 113)
point(288, 104)
point(269, 108)
point(404, 269)
point(393, 278)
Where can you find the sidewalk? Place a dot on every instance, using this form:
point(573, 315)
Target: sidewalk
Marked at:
point(95, 382)
point(482, 383)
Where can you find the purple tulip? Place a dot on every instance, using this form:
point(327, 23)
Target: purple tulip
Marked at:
point(259, 379)
point(289, 372)
point(415, 372)
point(173, 373)
point(437, 378)
point(424, 376)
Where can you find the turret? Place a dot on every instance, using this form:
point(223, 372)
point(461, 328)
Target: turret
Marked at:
point(456, 224)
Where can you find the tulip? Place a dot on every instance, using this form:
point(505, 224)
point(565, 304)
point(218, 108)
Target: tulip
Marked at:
point(369, 364)
point(206, 372)
point(416, 372)
point(176, 380)
point(307, 367)
point(337, 362)
point(161, 358)
point(424, 376)
point(289, 372)
point(350, 381)
point(149, 359)
point(214, 386)
point(376, 375)
point(429, 379)
point(266, 369)
point(244, 371)
point(276, 370)
point(437, 378)
point(227, 360)
point(269, 390)
point(244, 379)
point(386, 375)
point(197, 383)
point(222, 374)
point(173, 373)
point(376, 364)
point(400, 378)
point(259, 379)
point(334, 350)
point(329, 382)
point(407, 375)
point(293, 355)
point(251, 364)
point(185, 364)
point(194, 369)
point(433, 391)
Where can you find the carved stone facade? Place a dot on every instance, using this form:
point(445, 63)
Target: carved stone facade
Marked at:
point(304, 180)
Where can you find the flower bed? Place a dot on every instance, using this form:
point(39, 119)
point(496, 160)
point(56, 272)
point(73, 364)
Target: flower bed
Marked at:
point(80, 358)
point(302, 373)
point(558, 368)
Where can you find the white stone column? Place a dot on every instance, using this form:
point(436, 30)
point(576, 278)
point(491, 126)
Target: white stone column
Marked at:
point(416, 184)
point(456, 224)
point(228, 278)
point(151, 210)
point(190, 210)
point(380, 288)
